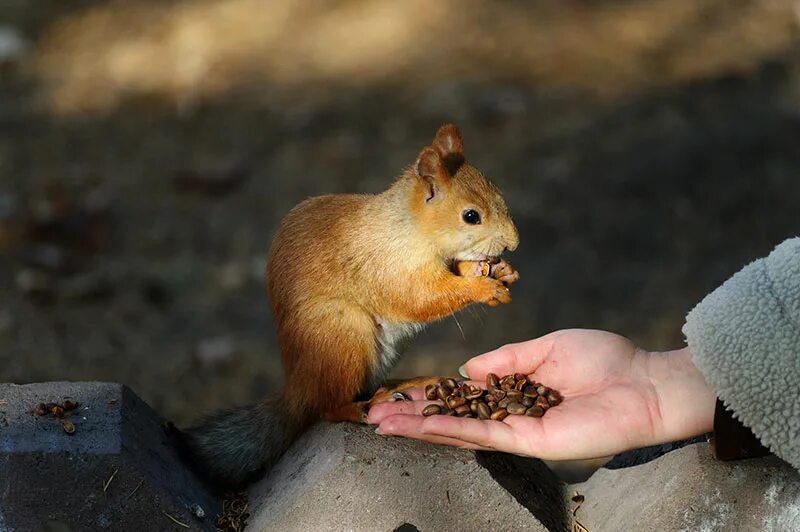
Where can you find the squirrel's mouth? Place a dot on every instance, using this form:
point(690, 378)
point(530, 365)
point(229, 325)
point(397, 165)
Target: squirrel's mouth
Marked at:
point(475, 256)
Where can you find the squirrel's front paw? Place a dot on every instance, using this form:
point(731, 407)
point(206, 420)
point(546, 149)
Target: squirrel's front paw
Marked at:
point(493, 292)
point(504, 272)
point(500, 270)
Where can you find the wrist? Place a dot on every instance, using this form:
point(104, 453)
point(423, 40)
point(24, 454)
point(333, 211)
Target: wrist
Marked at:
point(685, 402)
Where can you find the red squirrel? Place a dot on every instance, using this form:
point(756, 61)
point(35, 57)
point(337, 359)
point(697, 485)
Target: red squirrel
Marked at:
point(349, 277)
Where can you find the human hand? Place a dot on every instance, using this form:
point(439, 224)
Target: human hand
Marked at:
point(616, 397)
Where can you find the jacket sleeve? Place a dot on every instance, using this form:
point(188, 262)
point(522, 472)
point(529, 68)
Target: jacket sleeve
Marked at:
point(745, 338)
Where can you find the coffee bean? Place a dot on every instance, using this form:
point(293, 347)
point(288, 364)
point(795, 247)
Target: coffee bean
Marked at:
point(554, 398)
point(508, 382)
point(430, 391)
point(57, 410)
point(499, 414)
point(442, 393)
point(516, 409)
point(69, 404)
point(455, 402)
point(535, 411)
point(527, 401)
point(514, 395)
point(483, 411)
point(475, 394)
point(68, 426)
point(431, 410)
point(41, 410)
point(542, 402)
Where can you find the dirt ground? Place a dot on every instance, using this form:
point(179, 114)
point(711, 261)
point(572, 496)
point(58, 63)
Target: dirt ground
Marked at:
point(647, 149)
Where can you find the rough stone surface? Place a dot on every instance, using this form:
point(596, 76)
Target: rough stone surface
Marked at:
point(50, 480)
point(687, 489)
point(345, 477)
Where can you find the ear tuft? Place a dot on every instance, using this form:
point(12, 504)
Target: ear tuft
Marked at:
point(450, 147)
point(429, 163)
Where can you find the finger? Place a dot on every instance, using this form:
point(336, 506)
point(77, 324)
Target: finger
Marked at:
point(524, 357)
point(381, 411)
point(409, 426)
point(494, 435)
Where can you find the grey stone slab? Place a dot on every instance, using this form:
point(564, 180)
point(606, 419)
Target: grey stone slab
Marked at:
point(53, 481)
point(687, 489)
point(345, 477)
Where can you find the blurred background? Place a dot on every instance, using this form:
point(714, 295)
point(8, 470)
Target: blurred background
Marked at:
point(648, 149)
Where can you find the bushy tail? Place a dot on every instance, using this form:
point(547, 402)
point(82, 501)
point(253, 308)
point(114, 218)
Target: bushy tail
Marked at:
point(235, 446)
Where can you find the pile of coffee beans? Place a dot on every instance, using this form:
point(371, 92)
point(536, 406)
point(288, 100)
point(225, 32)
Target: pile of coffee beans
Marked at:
point(58, 412)
point(509, 395)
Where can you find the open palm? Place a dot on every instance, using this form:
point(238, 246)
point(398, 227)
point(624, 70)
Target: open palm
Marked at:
point(613, 400)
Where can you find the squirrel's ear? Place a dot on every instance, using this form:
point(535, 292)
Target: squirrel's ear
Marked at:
point(431, 171)
point(450, 147)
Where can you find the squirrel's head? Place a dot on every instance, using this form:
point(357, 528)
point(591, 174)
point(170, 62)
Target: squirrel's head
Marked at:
point(462, 212)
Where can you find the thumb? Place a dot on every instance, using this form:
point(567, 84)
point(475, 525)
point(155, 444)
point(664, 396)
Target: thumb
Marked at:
point(523, 357)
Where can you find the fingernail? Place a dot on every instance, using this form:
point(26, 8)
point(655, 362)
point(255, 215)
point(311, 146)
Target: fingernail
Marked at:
point(378, 431)
point(462, 371)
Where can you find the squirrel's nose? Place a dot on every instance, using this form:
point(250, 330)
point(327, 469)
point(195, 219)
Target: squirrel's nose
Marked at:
point(513, 240)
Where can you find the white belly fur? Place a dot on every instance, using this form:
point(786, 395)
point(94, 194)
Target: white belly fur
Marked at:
point(390, 338)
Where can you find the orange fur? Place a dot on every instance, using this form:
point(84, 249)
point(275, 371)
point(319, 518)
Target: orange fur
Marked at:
point(342, 266)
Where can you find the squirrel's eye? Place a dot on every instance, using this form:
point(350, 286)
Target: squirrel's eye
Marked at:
point(471, 216)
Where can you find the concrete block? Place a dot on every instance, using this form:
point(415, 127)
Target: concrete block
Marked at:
point(687, 489)
point(344, 477)
point(54, 481)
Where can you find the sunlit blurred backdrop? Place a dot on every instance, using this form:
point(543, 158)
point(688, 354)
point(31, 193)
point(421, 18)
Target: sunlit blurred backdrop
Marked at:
point(648, 149)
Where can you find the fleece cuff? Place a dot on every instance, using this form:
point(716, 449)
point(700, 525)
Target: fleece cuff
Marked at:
point(745, 338)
